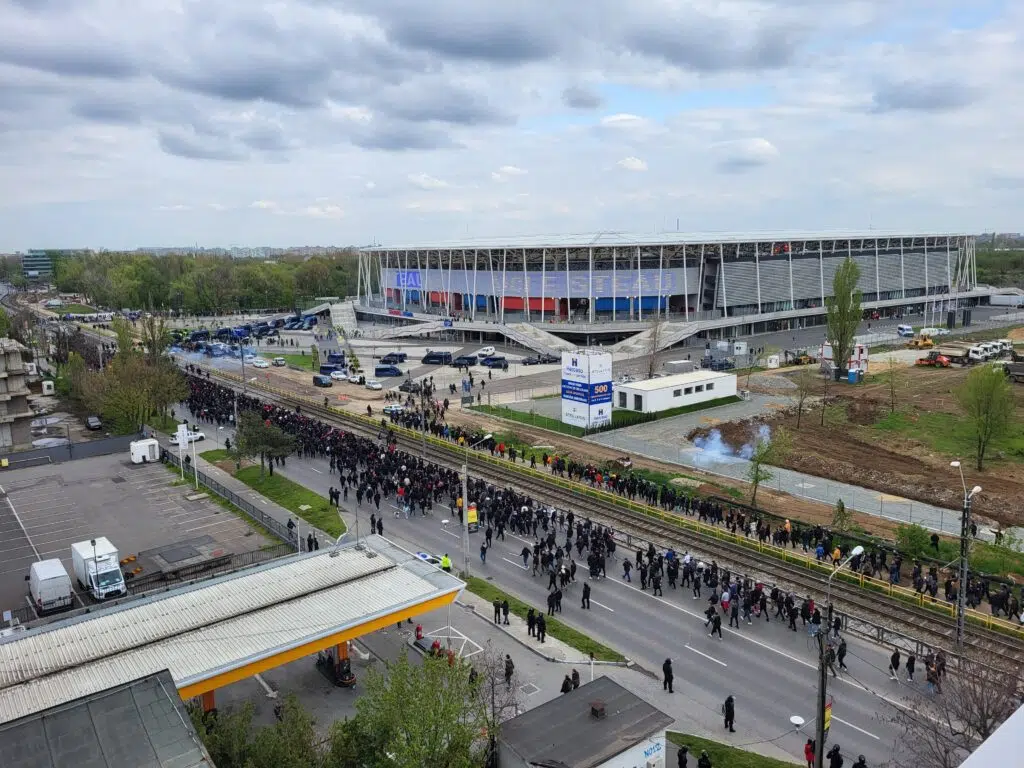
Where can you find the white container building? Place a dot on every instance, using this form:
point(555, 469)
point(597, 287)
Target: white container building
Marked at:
point(666, 392)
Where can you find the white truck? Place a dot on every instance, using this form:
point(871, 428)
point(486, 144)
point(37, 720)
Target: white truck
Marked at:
point(98, 569)
point(49, 586)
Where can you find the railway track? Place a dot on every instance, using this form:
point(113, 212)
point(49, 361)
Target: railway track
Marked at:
point(912, 626)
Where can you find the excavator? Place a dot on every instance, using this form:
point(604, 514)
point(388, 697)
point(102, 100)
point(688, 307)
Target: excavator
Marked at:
point(798, 357)
point(921, 342)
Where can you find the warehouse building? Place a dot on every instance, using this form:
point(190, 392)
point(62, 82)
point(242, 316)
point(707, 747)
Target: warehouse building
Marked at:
point(677, 391)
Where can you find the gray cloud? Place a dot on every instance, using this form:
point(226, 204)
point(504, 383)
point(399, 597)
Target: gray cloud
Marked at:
point(176, 144)
point(107, 111)
point(442, 103)
point(579, 97)
point(400, 137)
point(300, 84)
point(923, 96)
point(69, 58)
point(268, 138)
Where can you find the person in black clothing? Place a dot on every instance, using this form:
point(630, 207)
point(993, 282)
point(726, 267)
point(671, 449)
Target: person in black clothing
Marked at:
point(911, 663)
point(729, 711)
point(705, 761)
point(497, 611)
point(380, 527)
point(567, 685)
point(586, 597)
point(542, 627)
point(841, 653)
point(531, 622)
point(666, 670)
point(894, 665)
point(682, 757)
point(504, 610)
point(835, 759)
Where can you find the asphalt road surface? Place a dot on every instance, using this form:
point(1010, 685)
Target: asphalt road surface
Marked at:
point(768, 668)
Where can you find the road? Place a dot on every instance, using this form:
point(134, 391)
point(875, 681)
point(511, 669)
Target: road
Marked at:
point(770, 670)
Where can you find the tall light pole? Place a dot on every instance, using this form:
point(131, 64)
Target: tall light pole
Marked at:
point(465, 498)
point(965, 533)
point(819, 741)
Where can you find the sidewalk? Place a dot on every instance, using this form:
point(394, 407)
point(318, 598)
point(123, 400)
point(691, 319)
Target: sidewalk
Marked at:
point(269, 508)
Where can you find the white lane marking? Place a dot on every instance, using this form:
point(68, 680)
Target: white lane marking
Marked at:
point(450, 533)
point(316, 470)
point(709, 658)
point(851, 725)
point(21, 524)
point(513, 562)
point(602, 605)
point(271, 693)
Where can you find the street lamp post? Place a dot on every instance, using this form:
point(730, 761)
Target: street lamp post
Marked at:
point(819, 741)
point(465, 499)
point(965, 532)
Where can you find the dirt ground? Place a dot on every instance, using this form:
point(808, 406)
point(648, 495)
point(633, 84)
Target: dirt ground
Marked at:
point(850, 450)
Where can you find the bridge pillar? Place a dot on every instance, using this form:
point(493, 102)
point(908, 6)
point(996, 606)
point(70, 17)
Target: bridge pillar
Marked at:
point(208, 701)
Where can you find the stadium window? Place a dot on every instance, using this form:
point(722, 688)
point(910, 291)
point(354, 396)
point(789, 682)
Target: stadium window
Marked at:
point(699, 388)
point(677, 393)
point(710, 386)
point(688, 391)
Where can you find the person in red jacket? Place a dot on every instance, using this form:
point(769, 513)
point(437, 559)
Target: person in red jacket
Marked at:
point(809, 753)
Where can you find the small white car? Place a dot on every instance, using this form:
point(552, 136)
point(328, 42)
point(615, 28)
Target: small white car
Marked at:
point(280, 362)
point(374, 385)
point(339, 375)
point(393, 408)
point(192, 437)
point(259, 362)
point(485, 352)
point(942, 331)
point(249, 358)
point(353, 379)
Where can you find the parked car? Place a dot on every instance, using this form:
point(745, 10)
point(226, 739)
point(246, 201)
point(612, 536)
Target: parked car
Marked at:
point(374, 385)
point(550, 359)
point(280, 362)
point(191, 437)
point(259, 362)
point(495, 361)
point(393, 408)
point(93, 423)
point(355, 379)
point(534, 360)
point(464, 360)
point(339, 375)
point(394, 357)
point(486, 352)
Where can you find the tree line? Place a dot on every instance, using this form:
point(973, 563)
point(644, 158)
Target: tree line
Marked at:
point(204, 284)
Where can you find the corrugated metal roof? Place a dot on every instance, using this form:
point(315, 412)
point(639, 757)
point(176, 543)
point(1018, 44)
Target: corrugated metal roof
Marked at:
point(213, 627)
point(674, 380)
point(619, 239)
point(78, 641)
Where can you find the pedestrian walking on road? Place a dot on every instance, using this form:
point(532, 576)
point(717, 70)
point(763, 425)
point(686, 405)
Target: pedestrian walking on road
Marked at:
point(729, 711)
point(716, 626)
point(497, 611)
point(586, 597)
point(510, 669)
point(626, 566)
point(809, 753)
point(309, 542)
point(575, 679)
point(531, 622)
point(894, 665)
point(682, 757)
point(734, 613)
point(380, 527)
point(841, 653)
point(542, 627)
point(504, 610)
point(667, 676)
point(911, 663)
point(483, 552)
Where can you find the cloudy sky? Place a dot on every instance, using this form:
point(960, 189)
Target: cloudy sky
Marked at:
point(239, 122)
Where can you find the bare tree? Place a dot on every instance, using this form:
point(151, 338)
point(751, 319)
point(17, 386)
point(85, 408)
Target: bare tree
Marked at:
point(804, 387)
point(497, 696)
point(940, 729)
point(652, 346)
point(893, 378)
point(767, 450)
point(826, 383)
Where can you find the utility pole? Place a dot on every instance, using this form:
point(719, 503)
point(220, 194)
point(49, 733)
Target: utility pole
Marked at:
point(965, 533)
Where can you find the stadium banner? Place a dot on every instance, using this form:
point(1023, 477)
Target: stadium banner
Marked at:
point(586, 388)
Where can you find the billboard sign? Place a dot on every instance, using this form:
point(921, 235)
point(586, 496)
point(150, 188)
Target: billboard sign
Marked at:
point(586, 388)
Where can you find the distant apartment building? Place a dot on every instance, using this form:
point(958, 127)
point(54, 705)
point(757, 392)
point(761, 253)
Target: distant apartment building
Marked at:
point(37, 265)
point(15, 413)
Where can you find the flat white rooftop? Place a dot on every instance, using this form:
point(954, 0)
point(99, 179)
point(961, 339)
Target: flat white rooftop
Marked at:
point(676, 380)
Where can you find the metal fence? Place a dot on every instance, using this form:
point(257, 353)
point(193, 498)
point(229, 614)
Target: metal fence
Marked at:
point(257, 515)
point(86, 449)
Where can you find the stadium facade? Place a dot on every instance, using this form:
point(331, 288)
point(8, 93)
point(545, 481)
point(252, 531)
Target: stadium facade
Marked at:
point(614, 277)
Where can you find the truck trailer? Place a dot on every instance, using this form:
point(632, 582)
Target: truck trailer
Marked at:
point(98, 568)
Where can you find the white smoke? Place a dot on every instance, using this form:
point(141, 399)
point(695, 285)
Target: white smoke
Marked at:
point(713, 448)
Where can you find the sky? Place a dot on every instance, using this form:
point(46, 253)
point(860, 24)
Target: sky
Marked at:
point(351, 122)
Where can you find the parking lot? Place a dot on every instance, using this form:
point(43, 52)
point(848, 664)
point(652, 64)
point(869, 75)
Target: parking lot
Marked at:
point(43, 510)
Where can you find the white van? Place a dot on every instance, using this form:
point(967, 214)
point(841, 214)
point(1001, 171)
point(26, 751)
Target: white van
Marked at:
point(905, 330)
point(144, 451)
point(931, 332)
point(49, 586)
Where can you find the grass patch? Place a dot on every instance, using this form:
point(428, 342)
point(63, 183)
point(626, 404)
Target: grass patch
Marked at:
point(292, 497)
point(533, 419)
point(75, 309)
point(949, 434)
point(215, 455)
point(556, 628)
point(723, 754)
point(623, 418)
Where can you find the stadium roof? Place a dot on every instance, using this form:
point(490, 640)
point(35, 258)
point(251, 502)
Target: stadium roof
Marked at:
point(228, 628)
point(618, 239)
point(141, 723)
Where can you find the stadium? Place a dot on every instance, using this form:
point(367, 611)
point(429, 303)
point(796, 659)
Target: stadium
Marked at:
point(712, 286)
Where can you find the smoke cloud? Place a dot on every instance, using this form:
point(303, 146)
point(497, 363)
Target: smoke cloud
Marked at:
point(713, 448)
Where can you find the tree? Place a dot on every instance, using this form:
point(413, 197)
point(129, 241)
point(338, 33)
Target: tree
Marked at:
point(5, 324)
point(826, 382)
point(421, 716)
point(912, 540)
point(940, 730)
point(256, 437)
point(893, 378)
point(130, 390)
point(844, 313)
point(767, 450)
point(497, 699)
point(804, 387)
point(155, 337)
point(842, 518)
point(657, 328)
point(987, 399)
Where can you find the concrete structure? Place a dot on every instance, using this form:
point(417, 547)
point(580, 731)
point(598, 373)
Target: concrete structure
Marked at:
point(139, 723)
point(599, 725)
point(676, 391)
point(15, 414)
point(587, 388)
point(1003, 747)
point(37, 265)
point(229, 628)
